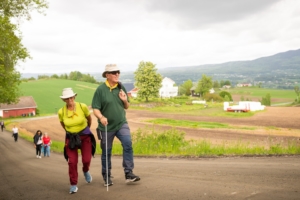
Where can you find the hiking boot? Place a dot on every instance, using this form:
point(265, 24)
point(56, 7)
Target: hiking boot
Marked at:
point(88, 177)
point(108, 182)
point(130, 177)
point(73, 189)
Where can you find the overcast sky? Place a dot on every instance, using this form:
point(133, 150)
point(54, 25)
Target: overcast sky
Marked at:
point(77, 35)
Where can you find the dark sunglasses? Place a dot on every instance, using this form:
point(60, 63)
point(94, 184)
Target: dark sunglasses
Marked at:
point(68, 98)
point(114, 72)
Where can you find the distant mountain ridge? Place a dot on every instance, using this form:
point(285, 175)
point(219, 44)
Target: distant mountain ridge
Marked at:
point(267, 68)
point(279, 70)
point(289, 60)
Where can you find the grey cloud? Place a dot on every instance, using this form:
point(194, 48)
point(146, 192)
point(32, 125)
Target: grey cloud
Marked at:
point(187, 14)
point(104, 13)
point(194, 14)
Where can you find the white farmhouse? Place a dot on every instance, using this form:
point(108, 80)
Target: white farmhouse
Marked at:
point(168, 89)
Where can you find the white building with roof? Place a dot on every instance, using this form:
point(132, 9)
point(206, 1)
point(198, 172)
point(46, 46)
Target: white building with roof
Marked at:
point(168, 89)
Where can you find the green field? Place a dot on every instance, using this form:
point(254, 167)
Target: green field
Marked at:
point(46, 93)
point(289, 95)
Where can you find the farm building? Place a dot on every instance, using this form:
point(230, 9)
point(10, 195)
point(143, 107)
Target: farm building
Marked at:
point(244, 85)
point(133, 92)
point(168, 89)
point(25, 107)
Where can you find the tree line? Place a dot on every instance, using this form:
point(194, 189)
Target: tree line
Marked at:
point(74, 75)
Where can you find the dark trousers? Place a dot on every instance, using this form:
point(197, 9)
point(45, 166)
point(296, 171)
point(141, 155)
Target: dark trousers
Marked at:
point(2, 127)
point(16, 136)
point(38, 149)
point(124, 136)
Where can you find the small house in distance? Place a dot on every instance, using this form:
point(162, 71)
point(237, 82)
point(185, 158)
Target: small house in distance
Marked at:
point(25, 107)
point(133, 92)
point(168, 89)
point(244, 85)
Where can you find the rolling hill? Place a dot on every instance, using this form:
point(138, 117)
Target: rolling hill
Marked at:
point(278, 68)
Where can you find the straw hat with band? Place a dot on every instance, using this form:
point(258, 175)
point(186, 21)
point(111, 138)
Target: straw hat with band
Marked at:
point(110, 68)
point(67, 93)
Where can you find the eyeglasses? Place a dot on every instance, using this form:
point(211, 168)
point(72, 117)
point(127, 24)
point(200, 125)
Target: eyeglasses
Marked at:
point(114, 72)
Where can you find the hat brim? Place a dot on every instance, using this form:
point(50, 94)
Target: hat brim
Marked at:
point(115, 68)
point(68, 96)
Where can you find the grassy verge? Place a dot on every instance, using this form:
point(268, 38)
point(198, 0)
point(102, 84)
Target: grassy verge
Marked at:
point(181, 108)
point(195, 124)
point(171, 143)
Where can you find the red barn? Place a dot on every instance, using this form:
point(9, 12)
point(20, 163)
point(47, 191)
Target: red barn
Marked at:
point(25, 107)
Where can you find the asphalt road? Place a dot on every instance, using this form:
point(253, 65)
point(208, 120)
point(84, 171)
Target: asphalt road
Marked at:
point(23, 176)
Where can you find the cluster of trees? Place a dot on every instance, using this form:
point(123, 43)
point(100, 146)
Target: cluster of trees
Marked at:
point(12, 50)
point(149, 82)
point(74, 75)
point(202, 87)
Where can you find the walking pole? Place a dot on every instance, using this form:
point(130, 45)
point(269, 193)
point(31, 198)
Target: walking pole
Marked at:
point(106, 158)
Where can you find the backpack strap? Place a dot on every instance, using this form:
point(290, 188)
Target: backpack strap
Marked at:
point(63, 109)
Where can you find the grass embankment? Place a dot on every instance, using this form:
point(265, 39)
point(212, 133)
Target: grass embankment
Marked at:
point(196, 124)
point(171, 143)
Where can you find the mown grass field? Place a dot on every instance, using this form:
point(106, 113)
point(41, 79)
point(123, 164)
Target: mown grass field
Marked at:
point(289, 95)
point(46, 93)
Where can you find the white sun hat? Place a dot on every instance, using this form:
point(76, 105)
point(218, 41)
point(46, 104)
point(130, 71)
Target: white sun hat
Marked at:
point(110, 68)
point(67, 93)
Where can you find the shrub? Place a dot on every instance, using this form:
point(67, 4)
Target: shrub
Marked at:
point(214, 97)
point(225, 93)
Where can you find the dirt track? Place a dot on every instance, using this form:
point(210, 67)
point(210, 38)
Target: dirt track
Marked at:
point(269, 178)
point(25, 177)
point(276, 125)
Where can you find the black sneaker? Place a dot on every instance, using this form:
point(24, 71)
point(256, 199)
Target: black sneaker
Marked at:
point(109, 182)
point(130, 177)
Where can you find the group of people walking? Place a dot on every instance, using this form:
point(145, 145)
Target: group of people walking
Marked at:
point(109, 103)
point(41, 141)
point(42, 144)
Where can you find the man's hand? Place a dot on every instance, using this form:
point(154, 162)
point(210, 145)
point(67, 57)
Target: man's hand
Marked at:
point(103, 121)
point(122, 95)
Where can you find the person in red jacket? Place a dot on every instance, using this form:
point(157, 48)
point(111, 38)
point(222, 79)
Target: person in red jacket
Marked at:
point(46, 143)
